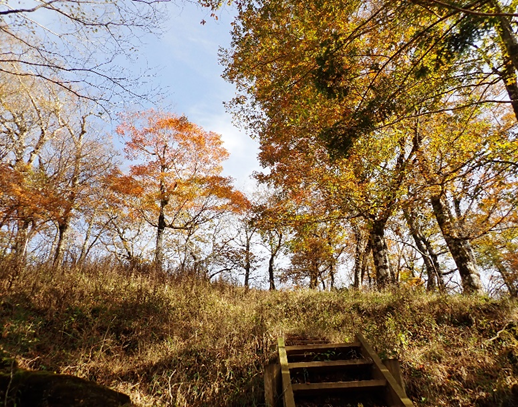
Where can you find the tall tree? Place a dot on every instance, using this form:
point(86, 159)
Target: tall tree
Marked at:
point(316, 250)
point(466, 187)
point(28, 121)
point(179, 173)
point(349, 68)
point(75, 162)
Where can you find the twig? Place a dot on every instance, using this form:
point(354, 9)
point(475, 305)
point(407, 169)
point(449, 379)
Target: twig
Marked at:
point(9, 384)
point(497, 336)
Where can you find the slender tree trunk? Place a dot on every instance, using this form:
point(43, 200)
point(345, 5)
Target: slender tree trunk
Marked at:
point(20, 243)
point(271, 276)
point(86, 246)
point(509, 281)
point(358, 257)
point(460, 249)
point(364, 265)
point(248, 261)
point(247, 269)
point(274, 242)
point(159, 249)
point(435, 262)
point(384, 275)
point(59, 253)
point(427, 254)
point(509, 49)
point(313, 276)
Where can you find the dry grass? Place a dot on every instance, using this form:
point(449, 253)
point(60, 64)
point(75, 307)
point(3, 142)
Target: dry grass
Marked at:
point(184, 342)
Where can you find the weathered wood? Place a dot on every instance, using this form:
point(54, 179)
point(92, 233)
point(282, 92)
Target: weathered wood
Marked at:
point(395, 395)
point(298, 349)
point(287, 390)
point(329, 364)
point(273, 385)
point(394, 368)
point(386, 379)
point(315, 388)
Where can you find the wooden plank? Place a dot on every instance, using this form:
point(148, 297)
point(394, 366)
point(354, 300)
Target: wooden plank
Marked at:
point(298, 349)
point(336, 386)
point(287, 391)
point(394, 368)
point(395, 395)
point(329, 364)
point(272, 385)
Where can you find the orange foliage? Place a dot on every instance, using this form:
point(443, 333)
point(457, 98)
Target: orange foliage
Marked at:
point(178, 169)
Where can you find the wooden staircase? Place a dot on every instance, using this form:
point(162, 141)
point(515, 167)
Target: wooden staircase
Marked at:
point(311, 373)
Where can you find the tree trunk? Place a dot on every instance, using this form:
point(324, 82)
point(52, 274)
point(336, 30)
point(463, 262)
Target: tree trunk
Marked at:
point(357, 281)
point(87, 245)
point(509, 41)
point(509, 49)
point(435, 262)
point(460, 249)
point(59, 254)
point(247, 269)
point(248, 260)
point(20, 244)
point(510, 83)
point(159, 249)
point(274, 242)
point(384, 275)
point(270, 271)
point(364, 265)
point(429, 257)
point(313, 276)
point(507, 276)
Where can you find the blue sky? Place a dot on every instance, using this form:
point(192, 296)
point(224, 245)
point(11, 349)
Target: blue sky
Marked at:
point(185, 58)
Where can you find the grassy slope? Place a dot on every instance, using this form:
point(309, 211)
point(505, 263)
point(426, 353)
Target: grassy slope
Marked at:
point(189, 343)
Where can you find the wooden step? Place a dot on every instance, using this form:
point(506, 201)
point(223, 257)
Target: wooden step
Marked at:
point(321, 348)
point(303, 340)
point(329, 364)
point(333, 373)
point(313, 388)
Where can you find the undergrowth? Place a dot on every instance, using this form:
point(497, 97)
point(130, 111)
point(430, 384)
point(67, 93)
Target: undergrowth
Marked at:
point(186, 342)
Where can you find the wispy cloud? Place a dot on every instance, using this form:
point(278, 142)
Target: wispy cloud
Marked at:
point(188, 68)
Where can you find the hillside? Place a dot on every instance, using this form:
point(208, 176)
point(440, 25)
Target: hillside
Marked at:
point(186, 342)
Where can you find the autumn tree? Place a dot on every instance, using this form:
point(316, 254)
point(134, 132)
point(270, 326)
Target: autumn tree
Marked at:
point(350, 68)
point(178, 177)
point(75, 162)
point(316, 249)
point(117, 221)
point(418, 224)
point(28, 121)
point(236, 249)
point(467, 189)
point(52, 159)
point(498, 251)
point(336, 91)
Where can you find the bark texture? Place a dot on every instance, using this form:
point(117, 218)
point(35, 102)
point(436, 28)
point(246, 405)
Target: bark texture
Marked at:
point(460, 248)
point(384, 275)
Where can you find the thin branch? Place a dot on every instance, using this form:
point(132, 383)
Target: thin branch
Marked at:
point(469, 11)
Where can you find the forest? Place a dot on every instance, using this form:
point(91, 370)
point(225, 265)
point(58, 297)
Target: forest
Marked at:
point(387, 202)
